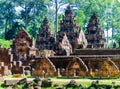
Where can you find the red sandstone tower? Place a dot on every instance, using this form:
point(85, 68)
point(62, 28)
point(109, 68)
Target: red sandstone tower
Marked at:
point(73, 32)
point(95, 35)
point(45, 40)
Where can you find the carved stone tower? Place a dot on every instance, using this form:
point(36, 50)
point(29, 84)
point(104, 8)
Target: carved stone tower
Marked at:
point(94, 34)
point(71, 29)
point(45, 40)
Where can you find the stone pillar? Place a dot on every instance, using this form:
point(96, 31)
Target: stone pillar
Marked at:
point(43, 73)
point(6, 71)
point(2, 63)
point(59, 75)
point(90, 71)
point(74, 72)
point(1, 78)
point(23, 70)
point(20, 63)
point(11, 57)
point(14, 63)
point(11, 65)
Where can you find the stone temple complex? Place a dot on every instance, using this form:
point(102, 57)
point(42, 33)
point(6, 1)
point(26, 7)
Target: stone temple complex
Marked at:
point(73, 53)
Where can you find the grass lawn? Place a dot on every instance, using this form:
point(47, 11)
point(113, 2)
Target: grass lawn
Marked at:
point(60, 82)
point(1, 85)
point(85, 82)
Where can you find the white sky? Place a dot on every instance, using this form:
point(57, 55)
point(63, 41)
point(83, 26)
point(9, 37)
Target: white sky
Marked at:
point(18, 9)
point(109, 33)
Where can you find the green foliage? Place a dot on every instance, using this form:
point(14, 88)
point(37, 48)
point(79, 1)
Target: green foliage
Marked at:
point(2, 85)
point(33, 11)
point(5, 44)
point(108, 12)
point(80, 17)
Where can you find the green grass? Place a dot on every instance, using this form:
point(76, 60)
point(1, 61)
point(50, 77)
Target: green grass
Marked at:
point(2, 86)
point(86, 82)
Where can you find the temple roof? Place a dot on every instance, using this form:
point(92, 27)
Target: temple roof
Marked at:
point(23, 34)
point(44, 39)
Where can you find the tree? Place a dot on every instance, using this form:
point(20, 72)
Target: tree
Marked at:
point(7, 15)
point(32, 13)
point(12, 32)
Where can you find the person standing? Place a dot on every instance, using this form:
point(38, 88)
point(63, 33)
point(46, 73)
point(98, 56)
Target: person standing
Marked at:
point(119, 42)
point(114, 45)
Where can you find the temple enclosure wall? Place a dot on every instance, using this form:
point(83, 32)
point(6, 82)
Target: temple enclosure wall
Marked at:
point(75, 66)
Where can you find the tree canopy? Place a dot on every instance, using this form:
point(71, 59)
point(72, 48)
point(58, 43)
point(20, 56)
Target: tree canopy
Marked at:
point(30, 13)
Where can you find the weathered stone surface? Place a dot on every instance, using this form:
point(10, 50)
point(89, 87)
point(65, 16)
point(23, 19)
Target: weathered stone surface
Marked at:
point(1, 78)
point(21, 48)
point(24, 80)
point(9, 87)
point(94, 34)
point(73, 32)
point(97, 51)
point(29, 84)
point(44, 68)
point(45, 40)
point(10, 82)
point(4, 61)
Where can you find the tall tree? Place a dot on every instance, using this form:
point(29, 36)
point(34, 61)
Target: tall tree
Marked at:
point(32, 13)
point(7, 15)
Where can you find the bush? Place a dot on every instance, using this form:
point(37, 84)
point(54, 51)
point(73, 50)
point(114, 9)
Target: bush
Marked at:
point(5, 44)
point(46, 83)
point(72, 84)
point(36, 80)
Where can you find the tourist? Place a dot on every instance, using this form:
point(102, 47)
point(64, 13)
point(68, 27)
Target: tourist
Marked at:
point(119, 42)
point(114, 45)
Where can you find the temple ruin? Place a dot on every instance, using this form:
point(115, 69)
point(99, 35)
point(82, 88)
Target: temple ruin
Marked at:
point(73, 53)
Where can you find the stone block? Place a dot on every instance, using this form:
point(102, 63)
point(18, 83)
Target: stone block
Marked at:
point(24, 80)
point(10, 82)
point(9, 87)
point(1, 78)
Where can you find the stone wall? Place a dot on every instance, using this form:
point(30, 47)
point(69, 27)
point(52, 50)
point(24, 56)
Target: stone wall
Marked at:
point(5, 65)
point(84, 67)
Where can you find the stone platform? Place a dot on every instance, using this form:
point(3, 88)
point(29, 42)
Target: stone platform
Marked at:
point(97, 51)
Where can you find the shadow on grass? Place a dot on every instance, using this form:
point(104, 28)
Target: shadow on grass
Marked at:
point(103, 78)
point(91, 78)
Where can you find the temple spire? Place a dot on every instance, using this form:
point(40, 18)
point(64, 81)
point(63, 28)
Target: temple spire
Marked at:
point(94, 34)
point(45, 40)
